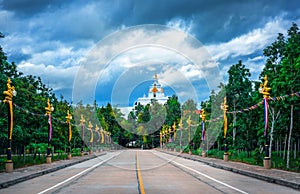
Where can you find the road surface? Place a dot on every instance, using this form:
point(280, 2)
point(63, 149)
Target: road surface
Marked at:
point(143, 171)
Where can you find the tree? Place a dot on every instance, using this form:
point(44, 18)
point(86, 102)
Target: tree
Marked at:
point(238, 91)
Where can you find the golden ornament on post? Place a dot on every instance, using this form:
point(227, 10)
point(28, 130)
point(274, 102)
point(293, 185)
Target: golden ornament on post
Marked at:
point(90, 127)
point(224, 107)
point(265, 91)
point(82, 134)
point(69, 118)
point(8, 95)
point(49, 109)
point(203, 117)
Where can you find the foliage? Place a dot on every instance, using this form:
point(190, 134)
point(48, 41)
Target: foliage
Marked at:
point(143, 124)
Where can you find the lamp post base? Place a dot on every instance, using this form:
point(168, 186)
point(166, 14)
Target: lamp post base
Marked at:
point(69, 156)
point(9, 167)
point(225, 157)
point(203, 154)
point(190, 152)
point(82, 153)
point(267, 163)
point(48, 159)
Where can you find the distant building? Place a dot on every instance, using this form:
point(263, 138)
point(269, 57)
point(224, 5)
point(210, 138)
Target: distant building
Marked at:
point(156, 91)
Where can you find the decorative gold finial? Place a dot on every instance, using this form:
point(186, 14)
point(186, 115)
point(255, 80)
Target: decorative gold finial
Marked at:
point(49, 107)
point(203, 116)
point(10, 92)
point(264, 89)
point(82, 119)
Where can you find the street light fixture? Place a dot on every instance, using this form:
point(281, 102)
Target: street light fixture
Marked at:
point(203, 137)
point(82, 133)
point(69, 118)
point(264, 89)
point(224, 107)
point(92, 136)
point(8, 95)
point(49, 109)
point(180, 128)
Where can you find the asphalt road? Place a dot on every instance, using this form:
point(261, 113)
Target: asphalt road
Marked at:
point(143, 171)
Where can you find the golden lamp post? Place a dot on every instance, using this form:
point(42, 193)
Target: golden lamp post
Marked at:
point(224, 107)
point(203, 137)
point(174, 134)
point(69, 118)
point(180, 140)
point(90, 127)
point(174, 130)
point(49, 109)
point(160, 139)
point(102, 135)
point(82, 133)
point(189, 122)
point(8, 95)
point(97, 130)
point(264, 89)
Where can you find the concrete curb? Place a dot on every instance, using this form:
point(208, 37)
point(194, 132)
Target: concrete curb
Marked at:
point(278, 181)
point(40, 173)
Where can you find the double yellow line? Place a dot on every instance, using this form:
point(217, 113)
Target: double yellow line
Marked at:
point(139, 175)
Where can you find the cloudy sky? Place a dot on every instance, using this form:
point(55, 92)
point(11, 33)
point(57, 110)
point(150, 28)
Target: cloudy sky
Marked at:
point(110, 50)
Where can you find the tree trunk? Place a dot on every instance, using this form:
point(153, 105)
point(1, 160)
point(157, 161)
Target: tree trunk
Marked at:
point(234, 128)
point(24, 156)
point(277, 147)
point(284, 149)
point(274, 118)
point(295, 150)
point(280, 150)
point(298, 147)
point(290, 136)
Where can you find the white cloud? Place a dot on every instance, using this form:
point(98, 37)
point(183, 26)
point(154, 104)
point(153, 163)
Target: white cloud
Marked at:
point(180, 24)
point(57, 77)
point(249, 43)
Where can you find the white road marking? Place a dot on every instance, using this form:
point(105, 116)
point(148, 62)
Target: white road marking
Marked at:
point(205, 175)
point(77, 175)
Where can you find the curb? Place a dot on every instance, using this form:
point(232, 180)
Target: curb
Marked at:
point(278, 181)
point(40, 173)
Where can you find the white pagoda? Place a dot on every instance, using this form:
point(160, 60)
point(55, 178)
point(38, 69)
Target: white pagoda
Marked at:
point(156, 91)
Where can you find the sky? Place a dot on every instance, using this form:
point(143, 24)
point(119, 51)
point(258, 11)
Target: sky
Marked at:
point(110, 50)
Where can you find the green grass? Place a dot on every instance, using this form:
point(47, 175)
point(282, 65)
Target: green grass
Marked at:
point(30, 160)
point(256, 158)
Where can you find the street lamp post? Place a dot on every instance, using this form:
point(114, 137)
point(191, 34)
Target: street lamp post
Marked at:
point(92, 136)
point(264, 89)
point(203, 137)
point(69, 117)
point(49, 110)
point(8, 95)
point(224, 107)
point(189, 122)
point(82, 133)
point(160, 139)
point(174, 134)
point(98, 140)
point(180, 141)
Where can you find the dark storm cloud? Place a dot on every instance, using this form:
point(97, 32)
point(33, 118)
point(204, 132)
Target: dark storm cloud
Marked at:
point(213, 21)
point(28, 8)
point(56, 34)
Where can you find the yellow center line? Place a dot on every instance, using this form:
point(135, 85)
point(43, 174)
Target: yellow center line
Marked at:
point(142, 189)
